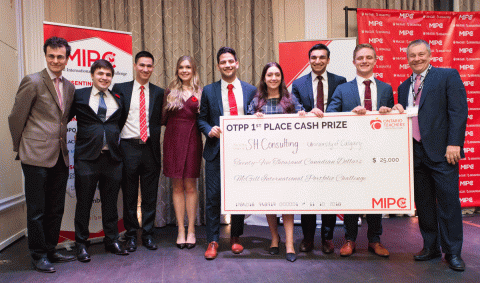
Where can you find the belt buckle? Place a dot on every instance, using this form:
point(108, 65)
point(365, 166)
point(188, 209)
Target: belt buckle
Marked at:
point(141, 142)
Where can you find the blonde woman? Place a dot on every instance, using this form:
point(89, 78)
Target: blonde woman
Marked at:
point(182, 145)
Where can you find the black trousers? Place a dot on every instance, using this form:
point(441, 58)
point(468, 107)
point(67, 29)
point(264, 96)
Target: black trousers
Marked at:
point(139, 164)
point(212, 204)
point(107, 173)
point(309, 223)
point(374, 231)
point(437, 202)
point(45, 198)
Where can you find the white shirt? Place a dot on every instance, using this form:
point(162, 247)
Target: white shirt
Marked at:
point(131, 130)
point(325, 89)
point(410, 92)
point(60, 85)
point(237, 91)
point(373, 89)
point(112, 105)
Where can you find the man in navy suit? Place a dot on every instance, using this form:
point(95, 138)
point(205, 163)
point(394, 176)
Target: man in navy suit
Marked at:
point(438, 96)
point(98, 158)
point(229, 96)
point(140, 144)
point(364, 93)
point(314, 91)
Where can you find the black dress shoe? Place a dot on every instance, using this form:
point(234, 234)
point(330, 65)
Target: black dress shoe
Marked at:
point(43, 265)
point(181, 246)
point(82, 254)
point(306, 246)
point(274, 250)
point(149, 244)
point(58, 257)
point(131, 245)
point(116, 248)
point(455, 262)
point(291, 257)
point(427, 254)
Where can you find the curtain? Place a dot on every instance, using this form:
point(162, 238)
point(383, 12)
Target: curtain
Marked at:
point(423, 5)
point(172, 28)
point(469, 5)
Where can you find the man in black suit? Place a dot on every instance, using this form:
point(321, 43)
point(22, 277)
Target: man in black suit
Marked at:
point(439, 98)
point(314, 91)
point(98, 158)
point(140, 144)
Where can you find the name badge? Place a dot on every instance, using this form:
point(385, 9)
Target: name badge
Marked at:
point(412, 111)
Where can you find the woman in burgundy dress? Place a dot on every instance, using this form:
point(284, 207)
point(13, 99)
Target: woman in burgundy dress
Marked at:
point(182, 145)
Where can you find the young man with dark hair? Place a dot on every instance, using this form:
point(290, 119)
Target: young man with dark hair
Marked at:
point(314, 91)
point(98, 158)
point(38, 125)
point(235, 96)
point(140, 143)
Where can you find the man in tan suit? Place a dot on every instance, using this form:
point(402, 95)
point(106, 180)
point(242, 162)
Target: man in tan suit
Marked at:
point(38, 125)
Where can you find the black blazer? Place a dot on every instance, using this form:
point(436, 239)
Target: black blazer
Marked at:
point(302, 88)
point(90, 128)
point(154, 112)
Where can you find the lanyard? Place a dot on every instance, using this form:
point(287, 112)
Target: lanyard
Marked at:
point(415, 95)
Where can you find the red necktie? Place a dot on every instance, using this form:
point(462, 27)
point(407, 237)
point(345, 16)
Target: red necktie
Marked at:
point(143, 116)
point(59, 94)
point(415, 128)
point(232, 103)
point(320, 103)
point(368, 95)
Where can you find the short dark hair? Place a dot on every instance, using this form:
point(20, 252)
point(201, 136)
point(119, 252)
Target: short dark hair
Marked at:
point(363, 45)
point(144, 54)
point(56, 42)
point(319, 46)
point(101, 64)
point(224, 50)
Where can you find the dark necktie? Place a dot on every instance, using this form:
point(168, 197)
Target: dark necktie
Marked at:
point(368, 95)
point(232, 103)
point(320, 102)
point(102, 107)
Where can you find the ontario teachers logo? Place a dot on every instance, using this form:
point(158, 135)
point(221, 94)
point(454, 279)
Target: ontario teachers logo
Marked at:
point(376, 124)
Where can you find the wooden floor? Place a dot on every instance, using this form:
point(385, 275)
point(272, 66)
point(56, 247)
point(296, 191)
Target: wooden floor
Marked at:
point(169, 264)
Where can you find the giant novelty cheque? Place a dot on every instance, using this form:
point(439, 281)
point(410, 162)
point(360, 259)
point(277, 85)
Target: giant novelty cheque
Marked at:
point(341, 163)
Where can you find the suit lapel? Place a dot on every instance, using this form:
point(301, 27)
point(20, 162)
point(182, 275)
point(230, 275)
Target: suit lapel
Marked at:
point(51, 88)
point(355, 91)
point(331, 83)
point(426, 84)
point(217, 92)
point(309, 86)
point(151, 100)
point(246, 96)
point(128, 96)
point(380, 90)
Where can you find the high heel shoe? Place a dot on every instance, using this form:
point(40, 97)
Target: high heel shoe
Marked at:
point(189, 243)
point(181, 245)
point(275, 250)
point(291, 257)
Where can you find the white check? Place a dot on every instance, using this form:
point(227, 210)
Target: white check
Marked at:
point(341, 163)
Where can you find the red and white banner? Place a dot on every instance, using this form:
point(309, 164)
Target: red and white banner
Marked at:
point(89, 45)
point(454, 41)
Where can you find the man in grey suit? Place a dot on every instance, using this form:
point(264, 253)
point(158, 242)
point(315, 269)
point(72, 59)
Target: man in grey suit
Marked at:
point(364, 93)
point(38, 125)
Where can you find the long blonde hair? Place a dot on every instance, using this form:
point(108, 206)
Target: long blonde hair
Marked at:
point(175, 98)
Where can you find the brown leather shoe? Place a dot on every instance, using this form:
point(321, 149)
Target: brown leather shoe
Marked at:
point(327, 246)
point(211, 252)
point(306, 246)
point(348, 248)
point(378, 249)
point(237, 248)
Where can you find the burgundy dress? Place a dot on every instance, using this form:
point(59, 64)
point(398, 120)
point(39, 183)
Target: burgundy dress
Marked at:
point(182, 142)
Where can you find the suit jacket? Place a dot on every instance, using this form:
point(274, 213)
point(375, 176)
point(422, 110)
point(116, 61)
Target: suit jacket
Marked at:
point(302, 88)
point(442, 113)
point(346, 97)
point(211, 108)
point(90, 128)
point(155, 106)
point(37, 124)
